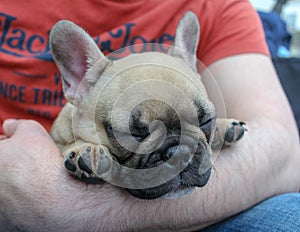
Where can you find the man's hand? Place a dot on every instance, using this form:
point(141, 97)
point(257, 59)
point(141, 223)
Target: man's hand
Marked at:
point(36, 193)
point(29, 170)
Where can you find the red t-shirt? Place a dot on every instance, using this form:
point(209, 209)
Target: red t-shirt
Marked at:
point(30, 85)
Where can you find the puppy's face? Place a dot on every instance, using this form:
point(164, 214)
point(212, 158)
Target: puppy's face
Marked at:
point(154, 112)
point(150, 110)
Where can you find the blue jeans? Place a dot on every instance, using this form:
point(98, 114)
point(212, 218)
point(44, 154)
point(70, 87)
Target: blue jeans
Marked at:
point(280, 213)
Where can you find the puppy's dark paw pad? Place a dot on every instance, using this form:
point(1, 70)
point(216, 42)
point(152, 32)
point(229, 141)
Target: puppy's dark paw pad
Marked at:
point(79, 161)
point(91, 163)
point(69, 162)
point(105, 161)
point(234, 132)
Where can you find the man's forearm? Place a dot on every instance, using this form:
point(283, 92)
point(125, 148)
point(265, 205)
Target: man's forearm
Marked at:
point(263, 164)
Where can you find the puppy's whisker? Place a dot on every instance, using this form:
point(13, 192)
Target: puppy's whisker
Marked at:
point(213, 167)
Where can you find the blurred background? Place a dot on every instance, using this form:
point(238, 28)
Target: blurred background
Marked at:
point(281, 22)
point(289, 12)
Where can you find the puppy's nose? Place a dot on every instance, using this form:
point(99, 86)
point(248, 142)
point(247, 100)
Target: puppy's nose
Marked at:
point(178, 156)
point(182, 149)
point(182, 145)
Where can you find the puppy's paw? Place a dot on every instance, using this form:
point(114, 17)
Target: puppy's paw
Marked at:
point(235, 130)
point(228, 131)
point(88, 162)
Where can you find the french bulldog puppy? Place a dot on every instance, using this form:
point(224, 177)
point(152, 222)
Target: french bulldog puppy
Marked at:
point(143, 122)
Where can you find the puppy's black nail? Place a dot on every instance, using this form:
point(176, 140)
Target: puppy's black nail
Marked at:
point(101, 151)
point(72, 155)
point(88, 149)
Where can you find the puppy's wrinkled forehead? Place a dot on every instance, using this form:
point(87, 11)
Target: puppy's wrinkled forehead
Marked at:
point(150, 110)
point(153, 82)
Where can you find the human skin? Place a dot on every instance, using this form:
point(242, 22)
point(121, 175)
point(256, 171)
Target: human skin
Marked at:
point(36, 194)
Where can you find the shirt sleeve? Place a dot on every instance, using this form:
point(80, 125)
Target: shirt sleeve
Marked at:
point(235, 28)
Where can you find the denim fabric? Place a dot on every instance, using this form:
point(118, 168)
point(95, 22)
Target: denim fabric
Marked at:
point(280, 213)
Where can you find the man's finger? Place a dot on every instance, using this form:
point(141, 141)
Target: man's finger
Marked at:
point(13, 126)
point(9, 126)
point(2, 137)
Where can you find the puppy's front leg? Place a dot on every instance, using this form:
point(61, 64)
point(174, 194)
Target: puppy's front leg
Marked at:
point(228, 131)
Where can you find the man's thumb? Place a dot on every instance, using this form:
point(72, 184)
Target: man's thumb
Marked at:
point(9, 126)
point(13, 126)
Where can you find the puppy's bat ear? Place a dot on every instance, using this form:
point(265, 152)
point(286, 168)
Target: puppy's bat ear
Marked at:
point(186, 40)
point(74, 53)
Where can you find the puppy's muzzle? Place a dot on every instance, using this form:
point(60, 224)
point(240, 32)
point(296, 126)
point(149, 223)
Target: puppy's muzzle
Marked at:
point(192, 160)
